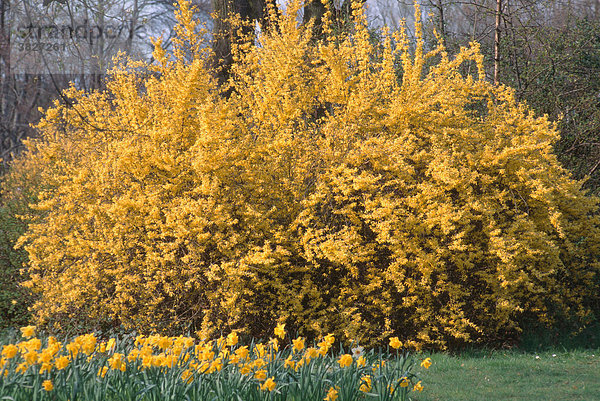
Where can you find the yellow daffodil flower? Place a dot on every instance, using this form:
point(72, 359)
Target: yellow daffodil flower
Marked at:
point(345, 360)
point(298, 344)
point(280, 330)
point(269, 384)
point(395, 343)
point(232, 339)
point(28, 331)
point(332, 394)
point(61, 362)
point(47, 385)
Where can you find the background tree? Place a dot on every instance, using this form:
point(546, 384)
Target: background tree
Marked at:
point(554, 67)
point(547, 52)
point(256, 12)
point(23, 91)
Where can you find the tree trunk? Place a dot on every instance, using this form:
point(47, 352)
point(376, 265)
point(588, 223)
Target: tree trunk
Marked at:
point(256, 10)
point(224, 35)
point(497, 42)
point(315, 10)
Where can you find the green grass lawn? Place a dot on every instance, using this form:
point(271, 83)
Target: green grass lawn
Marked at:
point(513, 375)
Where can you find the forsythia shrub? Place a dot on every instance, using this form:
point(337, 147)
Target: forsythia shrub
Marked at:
point(321, 187)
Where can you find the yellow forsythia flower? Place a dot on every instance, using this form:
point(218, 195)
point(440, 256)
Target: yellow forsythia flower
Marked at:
point(196, 173)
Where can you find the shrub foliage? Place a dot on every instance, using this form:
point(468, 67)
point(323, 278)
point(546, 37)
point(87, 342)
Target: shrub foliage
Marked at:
point(18, 188)
point(321, 187)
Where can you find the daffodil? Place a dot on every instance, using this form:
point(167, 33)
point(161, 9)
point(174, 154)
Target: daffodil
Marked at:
point(298, 344)
point(345, 360)
point(242, 352)
point(280, 330)
point(274, 343)
point(9, 351)
point(187, 376)
point(332, 394)
point(116, 362)
point(22, 367)
point(28, 331)
point(102, 371)
point(61, 362)
point(164, 342)
point(395, 343)
point(260, 374)
point(47, 385)
point(111, 344)
point(232, 339)
point(289, 363)
point(46, 367)
point(73, 349)
point(269, 384)
point(366, 383)
point(329, 339)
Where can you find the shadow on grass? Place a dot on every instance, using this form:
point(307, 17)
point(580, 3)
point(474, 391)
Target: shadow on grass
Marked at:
point(539, 340)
